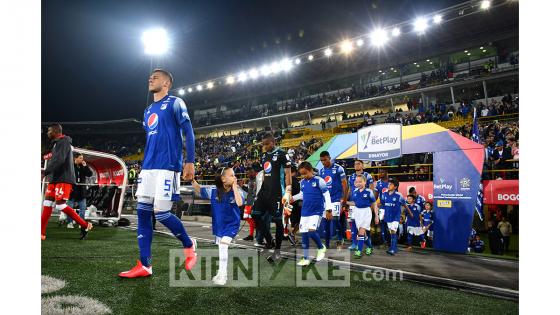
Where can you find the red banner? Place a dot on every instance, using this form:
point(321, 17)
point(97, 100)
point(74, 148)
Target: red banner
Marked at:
point(496, 192)
point(501, 192)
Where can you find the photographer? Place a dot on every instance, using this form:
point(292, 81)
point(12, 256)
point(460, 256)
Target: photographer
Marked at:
point(79, 190)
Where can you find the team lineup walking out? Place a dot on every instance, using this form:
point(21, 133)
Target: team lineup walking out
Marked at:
point(166, 121)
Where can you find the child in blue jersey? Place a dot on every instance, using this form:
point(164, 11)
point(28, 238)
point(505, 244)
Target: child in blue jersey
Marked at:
point(420, 200)
point(392, 201)
point(413, 222)
point(359, 168)
point(381, 186)
point(364, 201)
point(225, 199)
point(316, 199)
point(427, 222)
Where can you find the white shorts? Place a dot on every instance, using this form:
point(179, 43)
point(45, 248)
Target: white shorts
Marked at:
point(362, 218)
point(351, 210)
point(335, 210)
point(393, 226)
point(309, 223)
point(158, 184)
point(381, 214)
point(415, 230)
point(430, 233)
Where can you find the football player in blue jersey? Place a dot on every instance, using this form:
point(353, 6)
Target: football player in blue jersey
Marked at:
point(225, 199)
point(363, 201)
point(413, 221)
point(316, 200)
point(166, 121)
point(382, 186)
point(392, 201)
point(427, 220)
point(335, 178)
point(359, 170)
point(420, 200)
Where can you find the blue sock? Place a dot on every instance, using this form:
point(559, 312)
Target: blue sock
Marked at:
point(368, 241)
point(409, 239)
point(354, 233)
point(394, 242)
point(361, 242)
point(338, 228)
point(145, 232)
point(305, 244)
point(315, 237)
point(175, 226)
point(422, 238)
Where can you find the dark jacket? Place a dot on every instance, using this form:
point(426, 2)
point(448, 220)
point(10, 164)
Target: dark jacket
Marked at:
point(60, 167)
point(79, 191)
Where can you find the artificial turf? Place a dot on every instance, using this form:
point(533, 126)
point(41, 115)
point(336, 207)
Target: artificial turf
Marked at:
point(90, 269)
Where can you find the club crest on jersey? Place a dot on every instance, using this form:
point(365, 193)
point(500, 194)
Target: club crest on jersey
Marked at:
point(313, 184)
point(163, 106)
point(328, 180)
point(274, 158)
point(153, 121)
point(267, 166)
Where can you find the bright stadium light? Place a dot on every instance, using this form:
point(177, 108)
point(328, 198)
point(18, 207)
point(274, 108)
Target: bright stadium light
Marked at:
point(199, 87)
point(396, 32)
point(438, 19)
point(420, 25)
point(230, 80)
point(485, 5)
point(242, 76)
point(360, 42)
point(254, 73)
point(265, 70)
point(297, 61)
point(328, 52)
point(190, 90)
point(275, 67)
point(310, 57)
point(286, 65)
point(346, 47)
point(155, 41)
point(379, 37)
point(210, 85)
point(181, 92)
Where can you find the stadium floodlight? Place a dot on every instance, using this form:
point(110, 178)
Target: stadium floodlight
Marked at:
point(265, 70)
point(210, 85)
point(199, 87)
point(286, 65)
point(420, 25)
point(346, 47)
point(379, 37)
point(380, 71)
point(438, 18)
point(189, 90)
point(254, 73)
point(481, 47)
point(181, 92)
point(310, 57)
point(427, 60)
point(230, 80)
point(328, 52)
point(485, 5)
point(396, 32)
point(466, 51)
point(242, 76)
point(360, 42)
point(155, 41)
point(484, 51)
point(275, 67)
point(297, 61)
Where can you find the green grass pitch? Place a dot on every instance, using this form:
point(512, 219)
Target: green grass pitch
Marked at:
point(90, 269)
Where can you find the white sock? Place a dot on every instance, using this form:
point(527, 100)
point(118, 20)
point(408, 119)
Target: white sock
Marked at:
point(223, 255)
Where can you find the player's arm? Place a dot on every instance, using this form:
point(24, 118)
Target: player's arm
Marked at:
point(236, 194)
point(298, 196)
point(371, 186)
point(287, 178)
point(183, 119)
point(326, 197)
point(196, 186)
point(59, 153)
point(374, 207)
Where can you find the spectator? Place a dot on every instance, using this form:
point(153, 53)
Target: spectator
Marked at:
point(78, 194)
point(477, 245)
point(500, 156)
point(496, 239)
point(506, 230)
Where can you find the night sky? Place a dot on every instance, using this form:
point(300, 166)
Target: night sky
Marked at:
point(93, 61)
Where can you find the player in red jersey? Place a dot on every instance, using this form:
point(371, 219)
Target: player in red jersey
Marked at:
point(60, 176)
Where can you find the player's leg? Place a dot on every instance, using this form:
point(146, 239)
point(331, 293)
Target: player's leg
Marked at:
point(303, 230)
point(409, 236)
point(83, 207)
point(223, 246)
point(48, 205)
point(70, 223)
point(392, 227)
point(422, 238)
point(326, 226)
point(62, 194)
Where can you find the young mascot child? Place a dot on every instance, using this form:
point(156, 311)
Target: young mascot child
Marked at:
point(364, 201)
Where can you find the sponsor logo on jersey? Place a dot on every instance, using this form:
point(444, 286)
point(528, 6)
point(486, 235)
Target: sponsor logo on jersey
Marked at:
point(328, 180)
point(153, 121)
point(267, 167)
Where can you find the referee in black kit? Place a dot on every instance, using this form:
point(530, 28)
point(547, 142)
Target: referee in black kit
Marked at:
point(275, 191)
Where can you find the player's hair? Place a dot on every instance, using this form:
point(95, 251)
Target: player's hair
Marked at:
point(394, 181)
point(219, 183)
point(358, 160)
point(249, 168)
point(362, 176)
point(166, 73)
point(268, 136)
point(77, 155)
point(411, 190)
point(324, 153)
point(427, 202)
point(305, 165)
point(56, 127)
point(412, 196)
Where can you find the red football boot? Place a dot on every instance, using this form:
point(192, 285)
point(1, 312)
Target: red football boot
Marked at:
point(137, 271)
point(190, 256)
